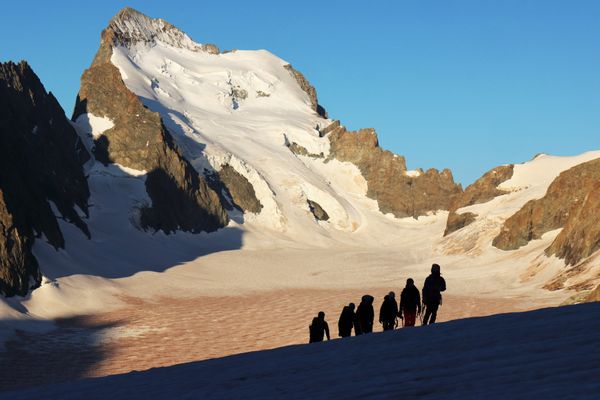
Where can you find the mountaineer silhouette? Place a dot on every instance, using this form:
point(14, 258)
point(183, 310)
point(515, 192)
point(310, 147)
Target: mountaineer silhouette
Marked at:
point(432, 294)
point(365, 314)
point(388, 312)
point(318, 328)
point(410, 303)
point(346, 321)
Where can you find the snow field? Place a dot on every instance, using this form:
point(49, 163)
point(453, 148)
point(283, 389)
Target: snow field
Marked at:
point(550, 353)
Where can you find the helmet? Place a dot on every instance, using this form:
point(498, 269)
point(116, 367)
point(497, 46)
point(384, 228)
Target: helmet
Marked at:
point(435, 269)
point(410, 282)
point(392, 295)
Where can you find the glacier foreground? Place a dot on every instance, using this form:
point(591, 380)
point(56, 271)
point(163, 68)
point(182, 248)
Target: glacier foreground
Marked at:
point(551, 353)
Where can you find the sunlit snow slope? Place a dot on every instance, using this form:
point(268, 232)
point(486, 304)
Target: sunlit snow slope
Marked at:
point(239, 108)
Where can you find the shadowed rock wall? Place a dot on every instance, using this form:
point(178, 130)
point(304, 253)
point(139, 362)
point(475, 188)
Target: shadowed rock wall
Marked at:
point(41, 160)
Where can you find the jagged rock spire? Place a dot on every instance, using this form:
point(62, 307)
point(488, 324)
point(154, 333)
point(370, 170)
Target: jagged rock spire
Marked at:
point(130, 27)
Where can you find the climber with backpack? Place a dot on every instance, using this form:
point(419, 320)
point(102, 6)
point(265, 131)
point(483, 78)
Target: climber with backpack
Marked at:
point(432, 294)
point(365, 314)
point(318, 328)
point(346, 321)
point(410, 303)
point(388, 312)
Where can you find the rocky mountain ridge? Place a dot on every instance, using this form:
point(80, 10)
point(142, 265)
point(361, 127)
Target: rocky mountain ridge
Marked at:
point(388, 182)
point(181, 199)
point(255, 138)
point(570, 203)
point(41, 176)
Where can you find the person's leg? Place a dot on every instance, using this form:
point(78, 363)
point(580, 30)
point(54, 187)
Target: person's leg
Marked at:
point(409, 317)
point(427, 315)
point(434, 310)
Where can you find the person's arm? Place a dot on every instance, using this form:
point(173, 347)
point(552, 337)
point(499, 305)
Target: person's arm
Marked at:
point(418, 302)
point(327, 331)
point(443, 285)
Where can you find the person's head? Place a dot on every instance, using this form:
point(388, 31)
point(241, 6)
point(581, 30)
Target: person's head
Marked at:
point(351, 306)
point(321, 315)
point(392, 295)
point(410, 282)
point(435, 269)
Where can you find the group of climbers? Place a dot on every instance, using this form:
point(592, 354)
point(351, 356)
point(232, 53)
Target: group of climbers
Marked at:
point(411, 305)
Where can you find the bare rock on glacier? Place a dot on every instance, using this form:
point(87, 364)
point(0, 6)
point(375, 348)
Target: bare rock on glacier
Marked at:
point(481, 191)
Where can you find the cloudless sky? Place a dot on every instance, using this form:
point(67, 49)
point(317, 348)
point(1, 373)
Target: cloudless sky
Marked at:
point(465, 85)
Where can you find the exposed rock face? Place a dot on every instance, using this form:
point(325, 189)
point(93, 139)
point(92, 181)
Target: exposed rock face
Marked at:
point(240, 189)
point(317, 211)
point(300, 150)
point(580, 236)
point(308, 89)
point(571, 202)
point(329, 128)
point(481, 191)
point(180, 198)
point(130, 27)
point(387, 180)
point(594, 295)
point(41, 160)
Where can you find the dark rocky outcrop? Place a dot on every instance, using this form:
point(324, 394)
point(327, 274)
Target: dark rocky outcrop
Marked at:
point(571, 202)
point(385, 173)
point(180, 197)
point(300, 150)
point(41, 159)
point(481, 191)
point(317, 211)
point(240, 189)
point(308, 89)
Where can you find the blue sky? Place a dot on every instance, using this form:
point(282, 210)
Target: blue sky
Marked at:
point(465, 85)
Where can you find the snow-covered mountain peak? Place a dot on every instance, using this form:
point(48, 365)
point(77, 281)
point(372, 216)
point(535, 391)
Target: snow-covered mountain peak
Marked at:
point(132, 27)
